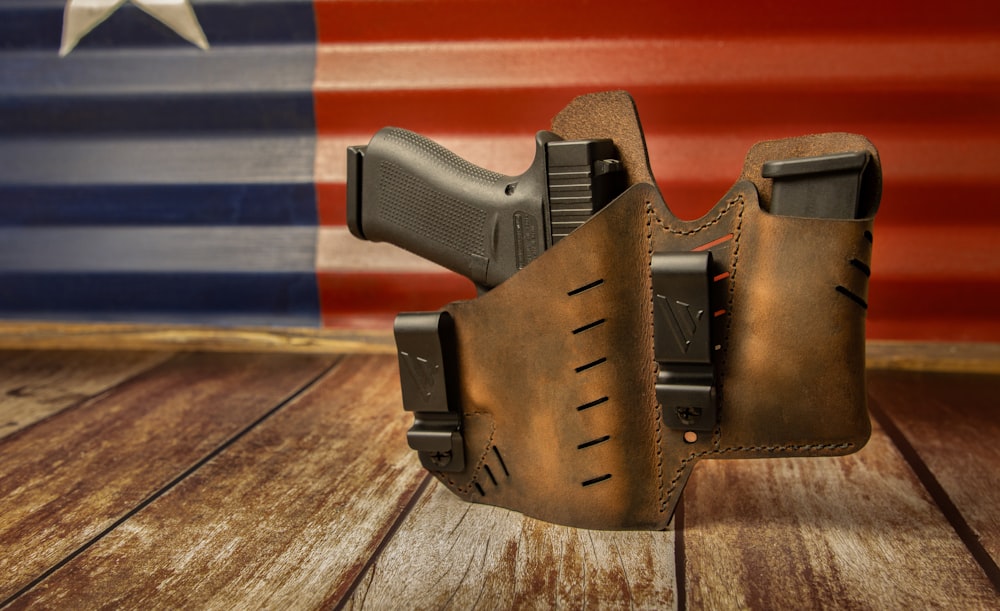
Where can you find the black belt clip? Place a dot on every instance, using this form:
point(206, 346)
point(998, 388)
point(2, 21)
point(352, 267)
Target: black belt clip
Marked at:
point(425, 342)
point(682, 339)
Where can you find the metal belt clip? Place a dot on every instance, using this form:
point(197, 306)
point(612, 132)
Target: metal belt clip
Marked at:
point(427, 370)
point(682, 339)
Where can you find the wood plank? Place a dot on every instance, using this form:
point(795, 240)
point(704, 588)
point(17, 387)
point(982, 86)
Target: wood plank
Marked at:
point(65, 482)
point(121, 336)
point(851, 532)
point(953, 422)
point(286, 517)
point(959, 357)
point(449, 553)
point(35, 385)
point(363, 336)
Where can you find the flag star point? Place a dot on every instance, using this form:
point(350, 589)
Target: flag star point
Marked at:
point(80, 17)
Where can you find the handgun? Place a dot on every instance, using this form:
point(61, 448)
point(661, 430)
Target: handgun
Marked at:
point(408, 190)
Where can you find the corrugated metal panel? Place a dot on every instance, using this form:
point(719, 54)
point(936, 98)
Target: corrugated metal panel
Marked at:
point(921, 80)
point(137, 128)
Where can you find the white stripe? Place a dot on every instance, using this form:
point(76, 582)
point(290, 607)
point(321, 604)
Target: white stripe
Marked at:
point(338, 250)
point(160, 249)
point(175, 160)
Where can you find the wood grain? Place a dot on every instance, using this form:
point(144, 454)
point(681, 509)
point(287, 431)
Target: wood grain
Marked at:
point(103, 336)
point(286, 517)
point(64, 483)
point(164, 486)
point(369, 335)
point(452, 554)
point(953, 422)
point(855, 532)
point(35, 385)
point(958, 357)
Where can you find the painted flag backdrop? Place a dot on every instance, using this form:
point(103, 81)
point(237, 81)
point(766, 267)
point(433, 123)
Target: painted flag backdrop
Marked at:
point(143, 178)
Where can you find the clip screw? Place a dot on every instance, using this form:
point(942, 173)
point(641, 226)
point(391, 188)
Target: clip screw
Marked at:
point(440, 459)
point(688, 415)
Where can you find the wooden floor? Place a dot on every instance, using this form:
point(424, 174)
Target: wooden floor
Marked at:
point(243, 480)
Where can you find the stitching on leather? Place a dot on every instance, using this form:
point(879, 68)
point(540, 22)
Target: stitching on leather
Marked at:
point(474, 476)
point(714, 221)
point(717, 436)
point(724, 353)
point(737, 233)
point(770, 449)
point(658, 438)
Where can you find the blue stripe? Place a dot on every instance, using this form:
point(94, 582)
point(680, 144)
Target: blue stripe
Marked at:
point(220, 299)
point(37, 24)
point(158, 249)
point(268, 204)
point(135, 73)
point(160, 112)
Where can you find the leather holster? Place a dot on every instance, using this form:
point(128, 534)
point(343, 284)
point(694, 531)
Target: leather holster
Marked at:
point(557, 377)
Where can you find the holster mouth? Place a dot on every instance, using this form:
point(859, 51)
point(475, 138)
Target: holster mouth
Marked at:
point(583, 389)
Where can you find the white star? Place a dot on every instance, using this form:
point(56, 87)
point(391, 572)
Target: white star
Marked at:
point(82, 16)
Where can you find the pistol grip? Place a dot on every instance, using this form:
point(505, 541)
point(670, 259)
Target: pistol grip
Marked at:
point(408, 190)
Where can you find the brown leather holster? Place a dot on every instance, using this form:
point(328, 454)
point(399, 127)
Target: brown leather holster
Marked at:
point(558, 375)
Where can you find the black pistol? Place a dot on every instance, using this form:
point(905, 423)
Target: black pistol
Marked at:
point(405, 189)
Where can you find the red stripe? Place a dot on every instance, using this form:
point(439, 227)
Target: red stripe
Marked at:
point(407, 20)
point(945, 310)
point(904, 204)
point(713, 243)
point(942, 309)
point(331, 203)
point(367, 299)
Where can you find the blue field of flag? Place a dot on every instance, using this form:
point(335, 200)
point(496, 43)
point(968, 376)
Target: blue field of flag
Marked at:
point(143, 178)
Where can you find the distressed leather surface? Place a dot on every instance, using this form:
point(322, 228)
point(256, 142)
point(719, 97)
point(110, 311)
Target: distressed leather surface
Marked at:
point(556, 364)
